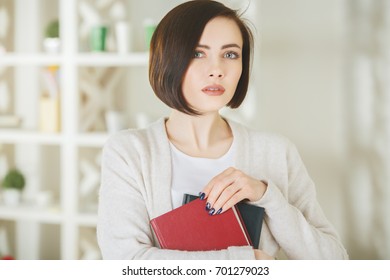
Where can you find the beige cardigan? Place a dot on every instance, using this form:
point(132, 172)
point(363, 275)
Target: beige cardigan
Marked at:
point(135, 187)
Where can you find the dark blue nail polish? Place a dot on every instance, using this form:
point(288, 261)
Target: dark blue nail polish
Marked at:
point(219, 211)
point(202, 195)
point(211, 212)
point(208, 206)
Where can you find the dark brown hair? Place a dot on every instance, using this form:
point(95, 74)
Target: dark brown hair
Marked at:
point(173, 45)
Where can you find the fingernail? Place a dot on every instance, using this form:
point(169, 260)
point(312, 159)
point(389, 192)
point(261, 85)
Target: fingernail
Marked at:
point(219, 211)
point(211, 212)
point(208, 206)
point(202, 195)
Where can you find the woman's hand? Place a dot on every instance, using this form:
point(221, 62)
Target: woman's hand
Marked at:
point(230, 187)
point(260, 255)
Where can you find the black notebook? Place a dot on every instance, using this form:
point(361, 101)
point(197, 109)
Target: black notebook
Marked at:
point(252, 217)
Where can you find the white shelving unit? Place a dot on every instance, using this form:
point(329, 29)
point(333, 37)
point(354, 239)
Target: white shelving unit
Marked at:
point(53, 161)
point(61, 162)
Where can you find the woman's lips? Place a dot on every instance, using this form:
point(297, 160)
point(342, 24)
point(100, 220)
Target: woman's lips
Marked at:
point(214, 90)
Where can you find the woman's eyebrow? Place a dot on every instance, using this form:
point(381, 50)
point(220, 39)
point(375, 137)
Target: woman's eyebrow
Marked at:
point(223, 47)
point(231, 46)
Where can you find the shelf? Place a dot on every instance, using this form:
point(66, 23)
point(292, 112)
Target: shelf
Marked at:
point(89, 220)
point(20, 136)
point(45, 215)
point(92, 139)
point(15, 59)
point(13, 136)
point(84, 59)
point(113, 59)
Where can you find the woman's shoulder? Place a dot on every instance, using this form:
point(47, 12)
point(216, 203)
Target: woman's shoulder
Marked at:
point(262, 143)
point(258, 136)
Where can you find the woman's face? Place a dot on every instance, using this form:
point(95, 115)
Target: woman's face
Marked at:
point(213, 74)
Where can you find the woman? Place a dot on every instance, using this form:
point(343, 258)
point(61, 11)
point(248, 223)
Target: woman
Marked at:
point(199, 62)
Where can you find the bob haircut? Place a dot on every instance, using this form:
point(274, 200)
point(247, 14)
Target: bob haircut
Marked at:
point(173, 45)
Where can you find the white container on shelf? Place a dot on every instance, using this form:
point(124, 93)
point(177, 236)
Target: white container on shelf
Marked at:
point(11, 197)
point(123, 37)
point(52, 45)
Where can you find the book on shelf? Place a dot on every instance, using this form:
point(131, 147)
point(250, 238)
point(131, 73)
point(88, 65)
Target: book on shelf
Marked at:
point(252, 217)
point(9, 121)
point(190, 228)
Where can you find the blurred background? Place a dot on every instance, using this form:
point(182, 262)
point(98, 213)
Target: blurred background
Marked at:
point(74, 71)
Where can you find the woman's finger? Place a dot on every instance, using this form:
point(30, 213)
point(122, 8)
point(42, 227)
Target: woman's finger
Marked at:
point(220, 180)
point(228, 198)
point(224, 184)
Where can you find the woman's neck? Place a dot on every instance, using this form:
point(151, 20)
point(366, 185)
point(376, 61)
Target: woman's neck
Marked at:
point(200, 136)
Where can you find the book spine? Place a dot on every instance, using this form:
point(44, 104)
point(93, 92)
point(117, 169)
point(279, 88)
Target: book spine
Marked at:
point(158, 234)
point(243, 227)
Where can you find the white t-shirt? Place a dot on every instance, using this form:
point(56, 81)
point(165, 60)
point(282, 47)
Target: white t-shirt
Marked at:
point(191, 174)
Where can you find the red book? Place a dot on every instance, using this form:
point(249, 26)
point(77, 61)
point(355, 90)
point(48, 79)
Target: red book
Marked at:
point(191, 228)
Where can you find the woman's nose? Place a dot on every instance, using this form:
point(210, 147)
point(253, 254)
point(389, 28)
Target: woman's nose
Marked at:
point(219, 75)
point(216, 70)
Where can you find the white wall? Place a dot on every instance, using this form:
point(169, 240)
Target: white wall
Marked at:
point(301, 89)
point(305, 91)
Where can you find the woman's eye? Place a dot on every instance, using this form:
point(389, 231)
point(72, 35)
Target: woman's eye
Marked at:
point(198, 54)
point(231, 55)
